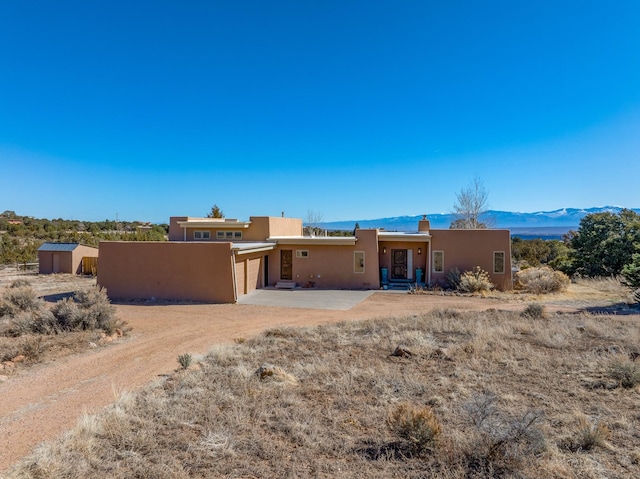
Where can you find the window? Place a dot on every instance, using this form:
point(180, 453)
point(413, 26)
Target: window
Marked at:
point(438, 261)
point(229, 235)
point(498, 262)
point(358, 261)
point(202, 235)
point(302, 253)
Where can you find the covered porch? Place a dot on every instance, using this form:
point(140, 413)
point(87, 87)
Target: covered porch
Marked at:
point(404, 258)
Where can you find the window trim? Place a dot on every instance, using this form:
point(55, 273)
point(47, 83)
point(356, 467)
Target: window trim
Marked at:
point(358, 265)
point(228, 235)
point(201, 235)
point(504, 257)
point(433, 261)
point(302, 253)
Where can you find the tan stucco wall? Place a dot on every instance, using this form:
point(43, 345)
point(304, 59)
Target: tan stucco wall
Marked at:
point(80, 252)
point(249, 272)
point(466, 249)
point(167, 270)
point(176, 233)
point(261, 228)
point(331, 266)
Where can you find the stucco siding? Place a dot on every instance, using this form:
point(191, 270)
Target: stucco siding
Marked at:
point(254, 274)
point(167, 270)
point(332, 266)
point(466, 249)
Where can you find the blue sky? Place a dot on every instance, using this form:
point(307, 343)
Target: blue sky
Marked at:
point(354, 110)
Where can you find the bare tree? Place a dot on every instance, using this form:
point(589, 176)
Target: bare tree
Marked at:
point(215, 212)
point(312, 223)
point(471, 204)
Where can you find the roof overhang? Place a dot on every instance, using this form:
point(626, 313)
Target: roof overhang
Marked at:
point(315, 240)
point(256, 247)
point(404, 237)
point(203, 223)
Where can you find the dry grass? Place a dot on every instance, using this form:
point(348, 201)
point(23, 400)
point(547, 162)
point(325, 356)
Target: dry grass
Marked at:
point(490, 394)
point(33, 330)
point(611, 285)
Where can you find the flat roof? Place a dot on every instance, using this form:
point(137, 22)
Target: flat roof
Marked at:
point(213, 223)
point(400, 236)
point(252, 247)
point(315, 240)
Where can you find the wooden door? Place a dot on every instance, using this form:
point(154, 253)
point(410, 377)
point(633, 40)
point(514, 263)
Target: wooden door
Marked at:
point(286, 264)
point(56, 263)
point(399, 264)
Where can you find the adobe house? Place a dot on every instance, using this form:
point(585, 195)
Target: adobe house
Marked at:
point(219, 259)
point(64, 257)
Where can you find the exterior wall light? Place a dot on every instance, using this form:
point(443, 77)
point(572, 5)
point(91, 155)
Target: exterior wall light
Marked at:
point(419, 250)
point(384, 250)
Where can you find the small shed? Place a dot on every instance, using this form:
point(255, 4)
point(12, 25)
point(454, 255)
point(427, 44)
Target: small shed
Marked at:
point(64, 257)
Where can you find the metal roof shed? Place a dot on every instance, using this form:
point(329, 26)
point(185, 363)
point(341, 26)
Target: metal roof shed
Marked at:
point(63, 257)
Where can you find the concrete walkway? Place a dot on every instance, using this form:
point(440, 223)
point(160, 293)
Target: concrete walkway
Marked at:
point(336, 299)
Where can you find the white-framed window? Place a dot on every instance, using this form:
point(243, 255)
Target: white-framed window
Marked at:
point(302, 253)
point(202, 235)
point(228, 235)
point(438, 261)
point(358, 261)
point(498, 262)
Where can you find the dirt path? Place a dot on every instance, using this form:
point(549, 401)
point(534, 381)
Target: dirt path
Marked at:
point(41, 403)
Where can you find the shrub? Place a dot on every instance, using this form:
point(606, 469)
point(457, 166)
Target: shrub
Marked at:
point(502, 440)
point(32, 322)
point(627, 373)
point(184, 360)
point(19, 298)
point(416, 425)
point(542, 280)
point(90, 309)
point(631, 272)
point(19, 283)
point(475, 281)
point(453, 278)
point(533, 311)
point(586, 436)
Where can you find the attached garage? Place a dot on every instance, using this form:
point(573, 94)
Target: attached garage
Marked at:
point(251, 266)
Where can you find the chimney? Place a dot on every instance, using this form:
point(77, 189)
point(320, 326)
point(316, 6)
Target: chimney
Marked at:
point(424, 225)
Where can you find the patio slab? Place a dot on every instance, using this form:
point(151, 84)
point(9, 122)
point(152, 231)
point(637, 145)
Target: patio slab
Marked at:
point(335, 299)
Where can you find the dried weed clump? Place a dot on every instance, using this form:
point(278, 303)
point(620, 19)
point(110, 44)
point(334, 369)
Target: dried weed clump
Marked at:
point(475, 281)
point(481, 394)
point(586, 435)
point(416, 425)
point(533, 311)
point(542, 280)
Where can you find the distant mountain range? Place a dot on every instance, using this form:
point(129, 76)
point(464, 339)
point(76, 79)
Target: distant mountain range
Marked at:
point(541, 223)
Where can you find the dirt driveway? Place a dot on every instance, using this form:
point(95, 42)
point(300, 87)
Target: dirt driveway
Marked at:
point(45, 401)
